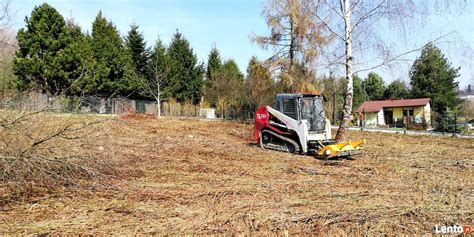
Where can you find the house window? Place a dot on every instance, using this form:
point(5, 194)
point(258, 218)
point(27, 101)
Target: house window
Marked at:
point(408, 112)
point(408, 115)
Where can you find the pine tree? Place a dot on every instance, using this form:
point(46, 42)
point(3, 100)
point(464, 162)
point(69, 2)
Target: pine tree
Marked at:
point(397, 90)
point(114, 68)
point(137, 46)
point(49, 58)
point(432, 76)
point(186, 75)
point(374, 86)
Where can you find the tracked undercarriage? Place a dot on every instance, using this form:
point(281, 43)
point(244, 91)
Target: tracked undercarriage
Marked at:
point(274, 141)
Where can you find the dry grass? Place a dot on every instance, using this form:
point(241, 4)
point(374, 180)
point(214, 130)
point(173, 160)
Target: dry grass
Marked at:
point(190, 176)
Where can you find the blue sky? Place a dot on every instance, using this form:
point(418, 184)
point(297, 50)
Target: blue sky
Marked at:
point(229, 24)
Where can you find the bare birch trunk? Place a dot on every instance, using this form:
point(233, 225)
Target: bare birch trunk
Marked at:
point(158, 101)
point(158, 106)
point(347, 109)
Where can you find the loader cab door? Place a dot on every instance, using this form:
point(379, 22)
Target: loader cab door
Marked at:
point(312, 110)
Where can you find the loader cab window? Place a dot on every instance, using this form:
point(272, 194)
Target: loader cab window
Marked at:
point(312, 110)
point(306, 108)
point(289, 107)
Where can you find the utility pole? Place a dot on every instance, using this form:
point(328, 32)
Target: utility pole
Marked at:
point(365, 91)
point(334, 112)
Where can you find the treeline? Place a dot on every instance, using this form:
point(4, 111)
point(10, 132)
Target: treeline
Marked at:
point(57, 57)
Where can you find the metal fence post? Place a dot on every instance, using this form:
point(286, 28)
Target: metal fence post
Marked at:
point(455, 125)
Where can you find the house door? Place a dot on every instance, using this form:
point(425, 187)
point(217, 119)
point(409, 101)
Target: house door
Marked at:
point(140, 106)
point(388, 115)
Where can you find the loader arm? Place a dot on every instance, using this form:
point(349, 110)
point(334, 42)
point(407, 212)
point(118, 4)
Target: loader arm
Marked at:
point(299, 127)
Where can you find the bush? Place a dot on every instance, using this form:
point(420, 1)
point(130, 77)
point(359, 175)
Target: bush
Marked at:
point(418, 127)
point(445, 121)
point(464, 130)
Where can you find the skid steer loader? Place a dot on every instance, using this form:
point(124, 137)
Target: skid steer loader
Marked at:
point(297, 124)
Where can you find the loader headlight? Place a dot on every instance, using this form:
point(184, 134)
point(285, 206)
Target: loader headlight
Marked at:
point(327, 152)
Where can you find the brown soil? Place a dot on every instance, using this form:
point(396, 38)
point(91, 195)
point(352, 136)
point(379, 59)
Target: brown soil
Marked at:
point(204, 177)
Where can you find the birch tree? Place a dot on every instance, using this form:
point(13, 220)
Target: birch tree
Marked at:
point(355, 24)
point(7, 47)
point(155, 85)
point(5, 24)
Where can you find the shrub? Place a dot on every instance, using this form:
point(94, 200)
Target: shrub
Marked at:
point(445, 121)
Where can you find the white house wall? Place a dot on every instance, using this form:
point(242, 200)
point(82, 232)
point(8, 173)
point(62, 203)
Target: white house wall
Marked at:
point(427, 113)
point(380, 117)
point(370, 119)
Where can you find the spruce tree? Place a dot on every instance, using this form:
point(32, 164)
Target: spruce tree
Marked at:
point(186, 75)
point(137, 46)
point(114, 69)
point(79, 60)
point(214, 63)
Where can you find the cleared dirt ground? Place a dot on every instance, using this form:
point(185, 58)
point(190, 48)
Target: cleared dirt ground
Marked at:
point(190, 176)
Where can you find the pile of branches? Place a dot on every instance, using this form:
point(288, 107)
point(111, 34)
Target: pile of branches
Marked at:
point(42, 151)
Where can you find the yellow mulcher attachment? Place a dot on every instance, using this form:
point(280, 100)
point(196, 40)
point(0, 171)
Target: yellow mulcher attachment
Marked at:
point(341, 149)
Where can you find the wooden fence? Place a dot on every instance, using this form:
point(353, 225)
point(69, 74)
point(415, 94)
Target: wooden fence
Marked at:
point(35, 101)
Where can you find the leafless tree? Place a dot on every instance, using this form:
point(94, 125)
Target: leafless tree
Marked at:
point(228, 90)
point(259, 84)
point(159, 73)
point(356, 26)
point(5, 24)
point(7, 45)
point(296, 36)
